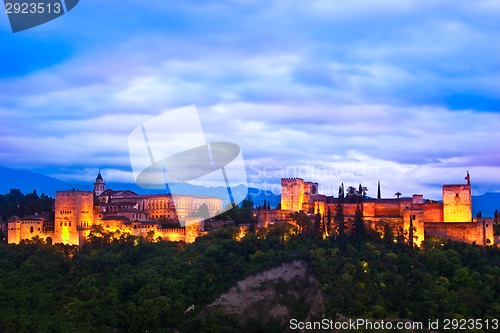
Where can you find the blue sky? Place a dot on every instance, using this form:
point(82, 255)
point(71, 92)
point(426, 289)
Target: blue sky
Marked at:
point(404, 92)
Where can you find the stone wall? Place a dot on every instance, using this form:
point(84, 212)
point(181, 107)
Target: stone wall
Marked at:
point(480, 233)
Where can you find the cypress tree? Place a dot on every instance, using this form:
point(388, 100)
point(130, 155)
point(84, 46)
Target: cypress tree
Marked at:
point(359, 232)
point(339, 219)
point(329, 230)
point(410, 232)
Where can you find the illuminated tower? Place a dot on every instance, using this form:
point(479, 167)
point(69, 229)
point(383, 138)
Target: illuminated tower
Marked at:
point(74, 211)
point(99, 185)
point(457, 202)
point(292, 194)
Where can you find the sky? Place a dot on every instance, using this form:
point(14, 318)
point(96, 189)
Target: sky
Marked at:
point(405, 92)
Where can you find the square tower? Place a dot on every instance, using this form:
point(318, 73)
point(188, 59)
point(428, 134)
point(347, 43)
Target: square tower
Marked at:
point(292, 194)
point(74, 211)
point(457, 203)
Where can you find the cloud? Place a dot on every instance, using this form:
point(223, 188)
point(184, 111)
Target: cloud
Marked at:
point(408, 89)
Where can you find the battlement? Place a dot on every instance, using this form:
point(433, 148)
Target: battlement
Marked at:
point(291, 180)
point(292, 193)
point(74, 192)
point(172, 230)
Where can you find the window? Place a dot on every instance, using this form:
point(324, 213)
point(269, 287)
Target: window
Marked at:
point(31, 229)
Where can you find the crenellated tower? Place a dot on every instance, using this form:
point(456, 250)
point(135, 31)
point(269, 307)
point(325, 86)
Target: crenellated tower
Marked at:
point(74, 211)
point(292, 193)
point(457, 202)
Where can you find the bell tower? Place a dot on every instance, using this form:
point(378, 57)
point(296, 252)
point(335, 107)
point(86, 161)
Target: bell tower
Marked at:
point(99, 184)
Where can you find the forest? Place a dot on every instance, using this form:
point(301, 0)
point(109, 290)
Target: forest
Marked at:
point(132, 285)
point(19, 204)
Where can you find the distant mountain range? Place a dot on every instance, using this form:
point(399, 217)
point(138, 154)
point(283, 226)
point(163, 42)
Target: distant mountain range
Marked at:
point(28, 181)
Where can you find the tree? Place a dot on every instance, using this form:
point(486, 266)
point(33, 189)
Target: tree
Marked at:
point(317, 225)
point(397, 194)
point(359, 232)
point(401, 235)
point(203, 211)
point(281, 230)
point(362, 192)
point(150, 236)
point(410, 232)
point(495, 217)
point(388, 233)
point(302, 221)
point(351, 193)
point(226, 214)
point(329, 229)
point(339, 219)
point(244, 214)
point(16, 203)
point(379, 195)
point(3, 237)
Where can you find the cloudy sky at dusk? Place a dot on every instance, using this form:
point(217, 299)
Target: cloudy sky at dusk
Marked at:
point(405, 92)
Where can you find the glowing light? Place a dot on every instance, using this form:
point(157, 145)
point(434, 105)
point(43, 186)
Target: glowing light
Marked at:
point(241, 234)
point(65, 235)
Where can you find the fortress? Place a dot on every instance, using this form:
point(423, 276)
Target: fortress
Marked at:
point(449, 219)
point(118, 212)
point(155, 216)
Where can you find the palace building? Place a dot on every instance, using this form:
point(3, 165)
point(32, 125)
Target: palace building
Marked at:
point(450, 219)
point(179, 218)
point(119, 212)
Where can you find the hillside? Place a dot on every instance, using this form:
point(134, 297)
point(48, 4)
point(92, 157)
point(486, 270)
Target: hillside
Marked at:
point(285, 291)
point(130, 285)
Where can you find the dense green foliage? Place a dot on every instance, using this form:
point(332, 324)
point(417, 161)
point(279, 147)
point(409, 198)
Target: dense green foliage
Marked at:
point(16, 203)
point(129, 285)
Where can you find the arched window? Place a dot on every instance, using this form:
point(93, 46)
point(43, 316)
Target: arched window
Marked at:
point(31, 229)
